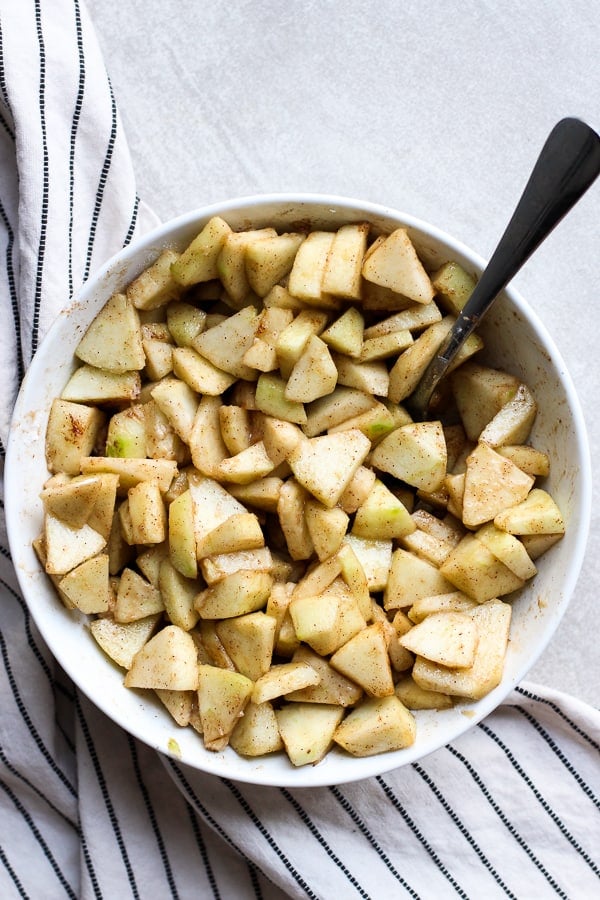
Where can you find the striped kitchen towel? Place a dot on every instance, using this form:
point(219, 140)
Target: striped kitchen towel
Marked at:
point(510, 809)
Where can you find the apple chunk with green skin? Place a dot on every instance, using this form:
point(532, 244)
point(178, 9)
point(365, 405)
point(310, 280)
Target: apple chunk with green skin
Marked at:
point(325, 465)
point(113, 341)
point(415, 453)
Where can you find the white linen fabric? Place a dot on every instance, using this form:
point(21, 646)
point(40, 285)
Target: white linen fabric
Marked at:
point(510, 809)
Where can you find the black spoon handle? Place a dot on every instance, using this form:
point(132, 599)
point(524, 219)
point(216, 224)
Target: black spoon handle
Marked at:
point(566, 167)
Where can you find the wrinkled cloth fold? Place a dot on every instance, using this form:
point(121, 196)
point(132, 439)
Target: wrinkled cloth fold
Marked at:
point(510, 809)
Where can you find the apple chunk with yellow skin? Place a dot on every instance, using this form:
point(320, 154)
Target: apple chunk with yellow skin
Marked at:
point(415, 453)
point(169, 661)
point(282, 679)
point(508, 549)
point(181, 537)
point(377, 725)
point(222, 697)
point(325, 465)
point(178, 594)
point(306, 276)
point(394, 264)
point(326, 621)
point(492, 484)
point(113, 341)
point(307, 730)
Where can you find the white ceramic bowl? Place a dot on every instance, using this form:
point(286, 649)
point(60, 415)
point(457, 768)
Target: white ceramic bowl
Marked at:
point(515, 340)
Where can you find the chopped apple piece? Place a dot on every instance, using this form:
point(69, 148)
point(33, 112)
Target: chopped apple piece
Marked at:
point(335, 409)
point(448, 638)
point(68, 547)
point(474, 569)
point(453, 286)
point(222, 698)
point(306, 276)
point(342, 273)
point(492, 484)
point(292, 340)
point(282, 679)
point(88, 384)
point(529, 459)
point(246, 466)
point(249, 641)
point(508, 549)
point(73, 501)
point(369, 377)
point(132, 471)
point(382, 515)
point(492, 620)
point(168, 661)
point(113, 341)
point(199, 374)
point(326, 527)
point(364, 659)
point(377, 725)
point(263, 493)
point(480, 393)
point(185, 322)
point(415, 697)
point(513, 423)
point(394, 264)
point(121, 642)
point(325, 621)
point(231, 262)
point(181, 536)
point(178, 594)
point(333, 687)
point(536, 514)
point(414, 453)
point(206, 444)
point(179, 704)
point(215, 568)
point(271, 399)
point(198, 262)
point(375, 559)
point(454, 601)
point(346, 334)
point(71, 434)
point(325, 465)
point(136, 598)
point(148, 513)
point(314, 375)
point(411, 578)
point(241, 531)
point(269, 260)
point(87, 586)
point(256, 733)
point(415, 318)
point(155, 286)
point(241, 592)
point(225, 344)
point(307, 730)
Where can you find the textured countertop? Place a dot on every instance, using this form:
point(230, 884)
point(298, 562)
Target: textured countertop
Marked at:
point(436, 109)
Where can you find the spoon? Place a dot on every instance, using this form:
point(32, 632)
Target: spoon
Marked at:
point(566, 167)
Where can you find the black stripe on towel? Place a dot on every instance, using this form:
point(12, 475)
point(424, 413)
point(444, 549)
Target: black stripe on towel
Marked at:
point(37, 299)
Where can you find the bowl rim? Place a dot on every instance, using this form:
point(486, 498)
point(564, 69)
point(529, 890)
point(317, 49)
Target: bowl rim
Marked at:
point(358, 768)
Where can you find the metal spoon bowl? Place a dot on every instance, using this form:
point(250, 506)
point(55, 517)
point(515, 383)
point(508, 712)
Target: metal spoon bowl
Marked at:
point(567, 166)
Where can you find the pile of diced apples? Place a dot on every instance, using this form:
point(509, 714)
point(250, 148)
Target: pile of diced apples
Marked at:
point(260, 532)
